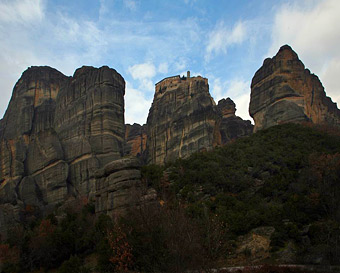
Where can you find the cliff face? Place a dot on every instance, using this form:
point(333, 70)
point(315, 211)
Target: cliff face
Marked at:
point(90, 123)
point(56, 133)
point(282, 90)
point(64, 137)
point(182, 119)
point(32, 169)
point(232, 126)
point(135, 140)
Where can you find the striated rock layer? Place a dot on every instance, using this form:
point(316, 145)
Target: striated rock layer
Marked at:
point(232, 126)
point(90, 123)
point(282, 90)
point(184, 119)
point(135, 140)
point(181, 120)
point(57, 131)
point(119, 187)
point(64, 138)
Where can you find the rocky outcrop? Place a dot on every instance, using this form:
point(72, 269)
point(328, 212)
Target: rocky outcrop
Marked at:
point(57, 131)
point(90, 123)
point(135, 140)
point(232, 126)
point(282, 91)
point(252, 247)
point(32, 169)
point(119, 187)
point(182, 119)
point(63, 138)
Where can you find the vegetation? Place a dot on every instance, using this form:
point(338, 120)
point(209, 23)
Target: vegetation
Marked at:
point(286, 177)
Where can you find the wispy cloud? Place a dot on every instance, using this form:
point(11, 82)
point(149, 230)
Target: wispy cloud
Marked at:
point(223, 36)
point(21, 11)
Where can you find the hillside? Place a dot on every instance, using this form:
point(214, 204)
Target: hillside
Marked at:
point(272, 197)
point(286, 177)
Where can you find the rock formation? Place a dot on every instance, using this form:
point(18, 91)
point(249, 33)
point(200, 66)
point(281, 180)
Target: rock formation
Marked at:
point(232, 126)
point(135, 140)
point(282, 90)
point(182, 119)
point(118, 186)
point(57, 131)
point(89, 122)
point(64, 138)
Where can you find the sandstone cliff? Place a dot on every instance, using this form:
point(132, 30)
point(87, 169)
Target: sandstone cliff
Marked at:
point(135, 140)
point(184, 119)
point(181, 120)
point(232, 126)
point(119, 187)
point(32, 169)
point(90, 123)
point(57, 131)
point(282, 90)
point(64, 138)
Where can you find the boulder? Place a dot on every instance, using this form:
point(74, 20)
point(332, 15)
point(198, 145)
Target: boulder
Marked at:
point(119, 189)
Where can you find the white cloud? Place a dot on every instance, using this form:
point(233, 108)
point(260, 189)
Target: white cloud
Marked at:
point(136, 105)
point(242, 106)
point(236, 89)
point(142, 71)
point(312, 28)
point(222, 37)
point(21, 11)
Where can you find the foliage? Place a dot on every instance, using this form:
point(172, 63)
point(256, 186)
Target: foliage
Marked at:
point(73, 265)
point(121, 256)
point(286, 177)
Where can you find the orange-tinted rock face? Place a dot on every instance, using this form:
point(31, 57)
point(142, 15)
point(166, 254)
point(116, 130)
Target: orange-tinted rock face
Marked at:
point(135, 140)
point(282, 91)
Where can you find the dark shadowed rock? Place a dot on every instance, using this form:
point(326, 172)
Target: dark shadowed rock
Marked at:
point(282, 90)
point(135, 140)
point(57, 131)
point(232, 126)
point(29, 145)
point(90, 123)
point(119, 188)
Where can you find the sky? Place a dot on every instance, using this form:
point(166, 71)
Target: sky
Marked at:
point(225, 41)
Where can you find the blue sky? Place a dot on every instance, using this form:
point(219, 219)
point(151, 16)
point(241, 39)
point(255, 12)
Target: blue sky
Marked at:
point(146, 41)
